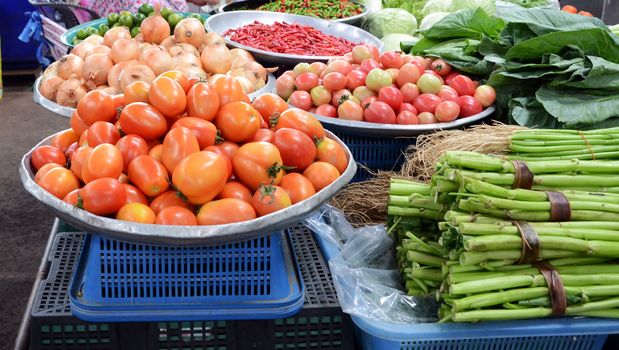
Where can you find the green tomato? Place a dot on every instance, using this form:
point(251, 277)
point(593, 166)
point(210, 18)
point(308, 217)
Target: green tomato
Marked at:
point(173, 19)
point(116, 25)
point(112, 18)
point(92, 31)
point(378, 79)
point(82, 34)
point(103, 29)
point(166, 12)
point(197, 16)
point(126, 20)
point(138, 18)
point(429, 83)
point(76, 41)
point(135, 31)
point(145, 9)
point(125, 13)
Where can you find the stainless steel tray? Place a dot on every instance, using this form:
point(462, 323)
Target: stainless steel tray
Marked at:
point(221, 22)
point(182, 235)
point(68, 111)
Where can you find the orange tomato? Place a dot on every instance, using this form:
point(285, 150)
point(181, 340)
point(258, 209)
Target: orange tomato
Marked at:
point(149, 175)
point(265, 135)
point(200, 176)
point(77, 124)
point(64, 139)
point(78, 159)
point(176, 216)
point(167, 96)
point(44, 169)
point(331, 152)
point(569, 8)
point(47, 154)
point(585, 13)
point(296, 148)
point(102, 132)
point(59, 182)
point(105, 160)
point(69, 151)
point(119, 103)
point(295, 118)
point(131, 146)
point(234, 189)
point(143, 120)
point(179, 143)
point(238, 121)
point(96, 106)
point(269, 199)
point(137, 92)
point(204, 131)
point(72, 197)
point(258, 163)
point(178, 77)
point(229, 90)
point(297, 186)
point(169, 199)
point(269, 105)
point(202, 102)
point(225, 211)
point(219, 150)
point(321, 174)
point(134, 195)
point(136, 212)
point(103, 196)
point(123, 178)
point(83, 139)
point(155, 152)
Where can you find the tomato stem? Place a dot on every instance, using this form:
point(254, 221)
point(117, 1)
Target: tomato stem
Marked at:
point(218, 138)
point(80, 202)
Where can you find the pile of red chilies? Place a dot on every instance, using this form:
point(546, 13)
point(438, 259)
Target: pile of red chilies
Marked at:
point(294, 39)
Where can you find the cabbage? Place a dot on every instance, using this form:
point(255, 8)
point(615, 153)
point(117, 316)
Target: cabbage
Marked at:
point(429, 20)
point(392, 41)
point(433, 6)
point(387, 21)
point(487, 5)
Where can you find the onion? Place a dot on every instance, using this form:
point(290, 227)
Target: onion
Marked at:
point(70, 92)
point(111, 91)
point(69, 64)
point(100, 49)
point(101, 87)
point(214, 39)
point(214, 77)
point(155, 29)
point(190, 31)
point(255, 72)
point(246, 85)
point(115, 34)
point(216, 59)
point(82, 49)
point(124, 50)
point(113, 77)
point(240, 57)
point(187, 59)
point(180, 49)
point(136, 72)
point(96, 67)
point(144, 46)
point(158, 59)
point(192, 71)
point(95, 39)
point(49, 87)
point(168, 42)
point(51, 71)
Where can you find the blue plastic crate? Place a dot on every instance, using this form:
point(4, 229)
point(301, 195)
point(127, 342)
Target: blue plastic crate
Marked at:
point(117, 281)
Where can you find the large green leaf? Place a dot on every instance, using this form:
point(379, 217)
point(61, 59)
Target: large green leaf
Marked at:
point(576, 107)
point(601, 74)
point(544, 21)
point(527, 111)
point(465, 24)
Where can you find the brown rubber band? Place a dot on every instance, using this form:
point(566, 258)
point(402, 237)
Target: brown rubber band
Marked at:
point(530, 242)
point(582, 136)
point(523, 177)
point(556, 291)
point(559, 206)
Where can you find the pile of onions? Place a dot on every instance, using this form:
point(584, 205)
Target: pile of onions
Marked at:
point(115, 34)
point(190, 31)
point(157, 58)
point(69, 65)
point(154, 29)
point(69, 92)
point(125, 50)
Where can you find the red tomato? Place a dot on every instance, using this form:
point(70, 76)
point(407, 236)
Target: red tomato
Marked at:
point(225, 211)
point(379, 112)
point(340, 96)
point(136, 212)
point(297, 186)
point(178, 144)
point(350, 110)
point(59, 182)
point(234, 189)
point(265, 135)
point(306, 81)
point(485, 95)
point(44, 169)
point(409, 73)
point(178, 77)
point(469, 106)
point(331, 152)
point(131, 146)
point(137, 92)
point(420, 63)
point(302, 121)
point(201, 176)
point(77, 124)
point(72, 198)
point(149, 175)
point(317, 67)
point(123, 178)
point(327, 110)
point(284, 85)
point(258, 163)
point(407, 107)
point(167, 96)
point(296, 148)
point(391, 59)
point(69, 151)
point(335, 81)
point(368, 100)
point(96, 106)
point(463, 85)
point(426, 118)
point(585, 13)
point(47, 154)
point(204, 131)
point(64, 139)
point(202, 102)
point(105, 160)
point(103, 196)
point(409, 92)
point(220, 149)
point(102, 132)
point(354, 79)
point(83, 139)
point(368, 64)
point(569, 9)
point(269, 106)
point(447, 111)
point(391, 96)
point(301, 99)
point(143, 120)
point(238, 121)
point(155, 152)
point(228, 90)
point(450, 77)
point(134, 195)
point(447, 93)
point(441, 67)
point(119, 103)
point(320, 95)
point(269, 199)
point(169, 199)
point(176, 216)
point(407, 118)
point(78, 159)
point(426, 103)
point(321, 174)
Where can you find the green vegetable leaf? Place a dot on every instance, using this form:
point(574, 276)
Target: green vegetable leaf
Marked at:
point(544, 21)
point(576, 107)
point(601, 75)
point(527, 111)
point(466, 24)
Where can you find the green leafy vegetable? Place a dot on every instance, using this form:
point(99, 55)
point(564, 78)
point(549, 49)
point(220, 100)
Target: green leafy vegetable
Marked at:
point(388, 21)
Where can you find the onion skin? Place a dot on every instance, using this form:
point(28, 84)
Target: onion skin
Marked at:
point(70, 92)
point(154, 29)
point(190, 31)
point(214, 39)
point(83, 49)
point(100, 49)
point(136, 72)
point(181, 49)
point(124, 50)
point(115, 34)
point(239, 58)
point(96, 68)
point(192, 71)
point(158, 59)
point(216, 59)
point(51, 71)
point(187, 59)
point(68, 65)
point(113, 77)
point(49, 87)
point(95, 39)
point(168, 42)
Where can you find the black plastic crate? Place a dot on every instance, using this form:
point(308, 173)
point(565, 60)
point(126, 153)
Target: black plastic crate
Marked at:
point(319, 325)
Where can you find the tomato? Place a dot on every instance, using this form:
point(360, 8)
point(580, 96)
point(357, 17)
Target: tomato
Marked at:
point(137, 92)
point(407, 107)
point(301, 99)
point(167, 96)
point(321, 174)
point(469, 106)
point(258, 163)
point(131, 146)
point(447, 93)
point(136, 212)
point(284, 86)
point(103, 196)
point(391, 59)
point(569, 9)
point(204, 131)
point(379, 112)
point(234, 189)
point(77, 124)
point(228, 90)
point(105, 160)
point(378, 79)
point(225, 149)
point(155, 152)
point(420, 63)
point(44, 169)
point(238, 121)
point(363, 92)
point(409, 73)
point(47, 154)
point(297, 186)
point(585, 13)
point(409, 92)
point(317, 67)
point(143, 120)
point(225, 211)
point(306, 81)
point(368, 100)
point(447, 111)
point(102, 132)
point(149, 175)
point(340, 96)
point(69, 151)
point(300, 68)
point(361, 52)
point(96, 106)
point(394, 75)
point(320, 95)
point(178, 77)
point(334, 81)
point(368, 64)
point(64, 139)
point(441, 67)
point(333, 153)
point(339, 65)
point(463, 85)
point(134, 195)
point(295, 147)
point(59, 182)
point(327, 110)
point(83, 139)
point(119, 103)
point(169, 199)
point(355, 79)
point(302, 121)
point(123, 178)
point(202, 102)
point(176, 216)
point(269, 199)
point(78, 159)
point(201, 176)
point(178, 144)
point(265, 135)
point(407, 118)
point(426, 102)
point(269, 105)
point(350, 110)
point(485, 95)
point(426, 118)
point(391, 96)
point(72, 197)
point(429, 83)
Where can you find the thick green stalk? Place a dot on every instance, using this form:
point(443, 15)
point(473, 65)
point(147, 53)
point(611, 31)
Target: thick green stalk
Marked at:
point(427, 274)
point(424, 259)
point(586, 270)
point(506, 242)
point(474, 229)
point(406, 189)
point(475, 258)
point(518, 281)
point(592, 202)
point(497, 298)
point(613, 313)
point(594, 291)
point(413, 212)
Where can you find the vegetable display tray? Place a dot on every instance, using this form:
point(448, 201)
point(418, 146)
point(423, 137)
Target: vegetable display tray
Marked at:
point(183, 235)
point(117, 281)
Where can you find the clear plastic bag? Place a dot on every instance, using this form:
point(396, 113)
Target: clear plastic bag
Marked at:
point(365, 275)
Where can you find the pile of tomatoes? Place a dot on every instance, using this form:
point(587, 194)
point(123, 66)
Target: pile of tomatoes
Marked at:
point(388, 88)
point(182, 152)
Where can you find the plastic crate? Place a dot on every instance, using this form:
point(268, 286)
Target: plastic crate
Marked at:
point(319, 325)
point(118, 281)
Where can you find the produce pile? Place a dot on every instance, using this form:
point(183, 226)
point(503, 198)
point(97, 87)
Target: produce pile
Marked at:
point(388, 88)
point(181, 152)
point(114, 62)
point(325, 9)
